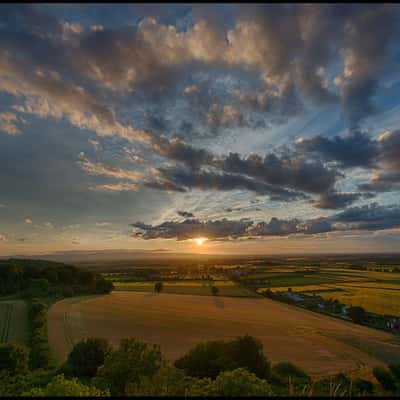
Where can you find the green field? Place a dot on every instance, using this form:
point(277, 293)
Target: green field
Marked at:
point(226, 288)
point(13, 321)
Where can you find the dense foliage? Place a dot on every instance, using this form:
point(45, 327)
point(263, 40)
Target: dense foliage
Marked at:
point(210, 358)
point(139, 369)
point(14, 358)
point(86, 357)
point(38, 278)
point(40, 350)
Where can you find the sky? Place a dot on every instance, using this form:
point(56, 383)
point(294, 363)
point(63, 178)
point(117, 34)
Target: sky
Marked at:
point(258, 129)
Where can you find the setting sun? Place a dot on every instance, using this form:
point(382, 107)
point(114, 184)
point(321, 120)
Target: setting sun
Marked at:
point(200, 241)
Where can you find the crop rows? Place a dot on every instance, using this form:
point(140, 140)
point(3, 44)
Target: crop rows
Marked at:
point(6, 322)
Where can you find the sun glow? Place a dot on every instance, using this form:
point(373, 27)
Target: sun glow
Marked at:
point(200, 241)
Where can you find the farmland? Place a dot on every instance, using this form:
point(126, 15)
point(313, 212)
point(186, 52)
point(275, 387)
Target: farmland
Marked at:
point(13, 321)
point(226, 288)
point(321, 345)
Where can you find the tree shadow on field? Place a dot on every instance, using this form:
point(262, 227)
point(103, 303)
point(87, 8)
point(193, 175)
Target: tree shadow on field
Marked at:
point(218, 302)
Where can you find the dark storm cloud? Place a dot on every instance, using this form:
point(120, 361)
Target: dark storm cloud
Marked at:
point(213, 180)
point(185, 214)
point(335, 200)
point(387, 174)
point(354, 150)
point(371, 217)
point(286, 169)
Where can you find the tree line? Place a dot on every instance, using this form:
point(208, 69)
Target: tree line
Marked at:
point(39, 278)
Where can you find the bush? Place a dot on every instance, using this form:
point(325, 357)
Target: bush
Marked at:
point(132, 361)
point(210, 358)
point(87, 356)
point(284, 371)
point(14, 358)
point(385, 378)
point(60, 386)
point(357, 314)
point(167, 381)
point(395, 370)
point(240, 382)
point(362, 386)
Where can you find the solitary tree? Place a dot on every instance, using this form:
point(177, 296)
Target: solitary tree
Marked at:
point(158, 287)
point(214, 290)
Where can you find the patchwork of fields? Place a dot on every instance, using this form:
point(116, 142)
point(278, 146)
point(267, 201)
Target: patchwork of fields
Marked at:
point(13, 321)
point(375, 291)
point(320, 344)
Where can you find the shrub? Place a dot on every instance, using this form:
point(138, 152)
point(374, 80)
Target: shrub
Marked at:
point(210, 358)
point(357, 314)
point(385, 378)
point(240, 382)
point(60, 386)
point(283, 371)
point(132, 361)
point(395, 370)
point(362, 386)
point(14, 358)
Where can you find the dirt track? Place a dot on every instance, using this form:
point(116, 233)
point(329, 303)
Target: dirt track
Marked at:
point(320, 344)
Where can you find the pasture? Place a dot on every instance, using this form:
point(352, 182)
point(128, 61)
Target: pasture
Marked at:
point(13, 321)
point(320, 344)
point(201, 288)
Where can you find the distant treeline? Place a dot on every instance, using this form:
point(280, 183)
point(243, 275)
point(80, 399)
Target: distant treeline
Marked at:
point(38, 278)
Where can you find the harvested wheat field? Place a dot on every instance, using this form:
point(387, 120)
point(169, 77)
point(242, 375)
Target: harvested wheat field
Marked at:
point(320, 344)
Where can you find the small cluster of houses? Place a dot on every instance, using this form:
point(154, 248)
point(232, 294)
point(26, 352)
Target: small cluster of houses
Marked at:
point(393, 323)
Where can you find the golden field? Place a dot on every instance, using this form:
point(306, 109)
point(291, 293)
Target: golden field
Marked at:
point(320, 344)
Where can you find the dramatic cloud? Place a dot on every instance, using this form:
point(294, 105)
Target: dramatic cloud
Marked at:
point(369, 217)
point(208, 180)
point(354, 150)
point(334, 200)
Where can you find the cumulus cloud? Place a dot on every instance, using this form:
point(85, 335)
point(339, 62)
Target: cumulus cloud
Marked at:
point(8, 123)
point(3, 238)
point(286, 46)
point(28, 221)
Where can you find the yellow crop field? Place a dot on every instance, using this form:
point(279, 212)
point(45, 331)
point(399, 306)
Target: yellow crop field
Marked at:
point(320, 344)
point(380, 301)
point(13, 321)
